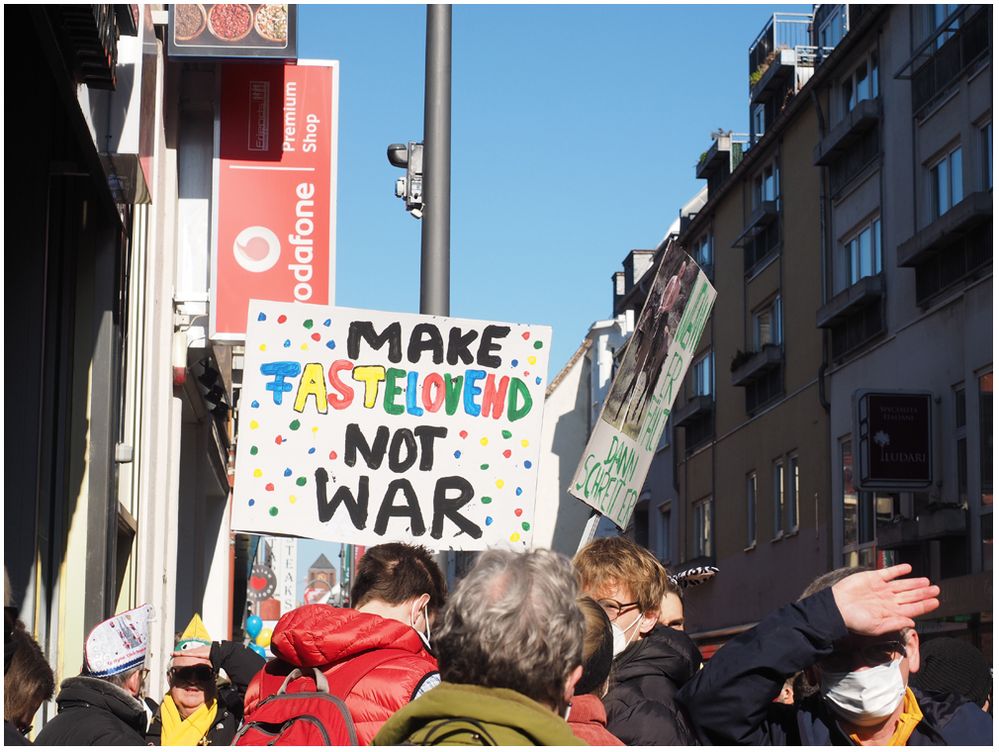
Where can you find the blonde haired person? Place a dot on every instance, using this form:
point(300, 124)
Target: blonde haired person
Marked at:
point(651, 662)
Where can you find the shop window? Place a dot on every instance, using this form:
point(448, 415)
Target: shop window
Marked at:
point(750, 510)
point(947, 181)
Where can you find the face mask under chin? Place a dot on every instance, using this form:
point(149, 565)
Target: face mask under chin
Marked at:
point(864, 698)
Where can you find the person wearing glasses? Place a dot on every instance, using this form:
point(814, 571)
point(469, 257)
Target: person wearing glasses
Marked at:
point(101, 706)
point(201, 708)
point(651, 661)
point(853, 635)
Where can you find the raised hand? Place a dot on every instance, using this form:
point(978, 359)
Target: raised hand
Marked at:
point(877, 602)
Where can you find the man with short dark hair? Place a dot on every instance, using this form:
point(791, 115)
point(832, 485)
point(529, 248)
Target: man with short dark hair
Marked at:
point(398, 590)
point(852, 633)
point(100, 707)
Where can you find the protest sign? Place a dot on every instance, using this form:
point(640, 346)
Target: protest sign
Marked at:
point(620, 450)
point(366, 427)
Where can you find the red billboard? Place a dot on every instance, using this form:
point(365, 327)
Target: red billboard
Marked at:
point(275, 189)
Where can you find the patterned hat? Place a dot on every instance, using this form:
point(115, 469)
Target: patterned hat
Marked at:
point(118, 644)
point(194, 636)
point(693, 576)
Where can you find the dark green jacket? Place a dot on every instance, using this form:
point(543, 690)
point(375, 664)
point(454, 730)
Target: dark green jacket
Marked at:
point(465, 714)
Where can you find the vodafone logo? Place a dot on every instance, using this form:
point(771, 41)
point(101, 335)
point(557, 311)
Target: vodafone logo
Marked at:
point(256, 249)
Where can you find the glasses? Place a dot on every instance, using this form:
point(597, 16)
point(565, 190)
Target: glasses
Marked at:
point(199, 674)
point(25, 730)
point(850, 658)
point(614, 608)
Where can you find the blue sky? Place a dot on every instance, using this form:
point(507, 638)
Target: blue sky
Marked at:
point(575, 132)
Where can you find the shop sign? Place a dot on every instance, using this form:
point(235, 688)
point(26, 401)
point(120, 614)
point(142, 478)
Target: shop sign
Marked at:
point(894, 439)
point(232, 30)
point(275, 189)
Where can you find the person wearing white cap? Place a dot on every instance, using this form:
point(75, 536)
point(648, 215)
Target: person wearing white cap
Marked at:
point(101, 706)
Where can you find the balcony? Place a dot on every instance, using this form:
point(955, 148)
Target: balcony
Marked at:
point(717, 157)
point(839, 139)
point(762, 216)
point(694, 409)
point(841, 306)
point(962, 218)
point(942, 522)
point(756, 365)
point(772, 78)
point(772, 53)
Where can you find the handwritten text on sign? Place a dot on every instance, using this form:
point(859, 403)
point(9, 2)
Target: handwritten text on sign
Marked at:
point(364, 426)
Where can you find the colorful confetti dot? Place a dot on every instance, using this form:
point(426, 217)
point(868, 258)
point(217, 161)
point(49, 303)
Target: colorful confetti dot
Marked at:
point(312, 450)
point(483, 441)
point(253, 450)
point(532, 360)
point(527, 464)
point(507, 453)
point(254, 424)
point(332, 455)
point(260, 317)
point(523, 442)
point(253, 501)
point(537, 380)
point(263, 348)
point(292, 499)
point(254, 404)
point(526, 374)
point(487, 499)
point(525, 525)
point(269, 487)
point(463, 434)
point(538, 344)
point(327, 322)
point(258, 473)
point(514, 363)
point(514, 537)
point(282, 318)
point(273, 511)
point(295, 425)
point(499, 484)
point(519, 490)
point(307, 323)
point(305, 346)
point(507, 434)
point(489, 521)
point(300, 482)
point(287, 472)
point(316, 336)
point(331, 345)
point(457, 453)
point(526, 335)
point(518, 512)
point(287, 343)
point(484, 466)
point(279, 439)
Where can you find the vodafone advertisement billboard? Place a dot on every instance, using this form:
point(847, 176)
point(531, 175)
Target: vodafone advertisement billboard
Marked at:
point(275, 189)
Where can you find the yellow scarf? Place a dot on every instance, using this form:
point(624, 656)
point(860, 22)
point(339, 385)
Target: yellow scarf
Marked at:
point(189, 732)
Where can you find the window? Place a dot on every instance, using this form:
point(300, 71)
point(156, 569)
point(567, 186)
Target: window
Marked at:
point(833, 27)
point(948, 184)
point(792, 493)
point(861, 257)
point(778, 476)
point(766, 185)
point(702, 528)
point(853, 160)
point(767, 329)
point(861, 84)
point(702, 376)
point(665, 531)
point(759, 120)
point(750, 510)
point(940, 14)
point(986, 136)
point(702, 251)
point(859, 507)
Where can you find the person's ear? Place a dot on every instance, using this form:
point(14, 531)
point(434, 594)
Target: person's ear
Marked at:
point(649, 621)
point(912, 650)
point(570, 683)
point(134, 683)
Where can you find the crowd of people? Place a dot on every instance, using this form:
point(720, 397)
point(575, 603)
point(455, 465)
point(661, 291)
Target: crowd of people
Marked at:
point(529, 649)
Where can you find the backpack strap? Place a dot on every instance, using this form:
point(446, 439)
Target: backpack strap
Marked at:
point(347, 677)
point(321, 684)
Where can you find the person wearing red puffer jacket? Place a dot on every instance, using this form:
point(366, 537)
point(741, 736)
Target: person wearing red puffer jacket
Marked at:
point(397, 593)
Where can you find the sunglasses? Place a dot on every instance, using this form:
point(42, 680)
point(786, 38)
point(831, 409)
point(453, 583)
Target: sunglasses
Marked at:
point(200, 674)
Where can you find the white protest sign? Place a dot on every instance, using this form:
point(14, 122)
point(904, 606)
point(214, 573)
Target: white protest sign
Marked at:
point(366, 427)
point(617, 457)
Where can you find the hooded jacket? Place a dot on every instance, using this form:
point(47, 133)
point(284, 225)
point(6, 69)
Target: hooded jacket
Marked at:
point(645, 677)
point(729, 701)
point(328, 638)
point(467, 714)
point(94, 713)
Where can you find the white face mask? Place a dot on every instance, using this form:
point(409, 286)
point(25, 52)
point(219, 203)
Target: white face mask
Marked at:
point(621, 638)
point(426, 621)
point(866, 697)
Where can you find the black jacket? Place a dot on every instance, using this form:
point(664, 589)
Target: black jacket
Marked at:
point(12, 737)
point(641, 710)
point(730, 700)
point(94, 713)
point(241, 664)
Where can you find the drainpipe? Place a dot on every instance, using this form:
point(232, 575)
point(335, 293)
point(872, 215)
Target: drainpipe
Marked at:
point(823, 258)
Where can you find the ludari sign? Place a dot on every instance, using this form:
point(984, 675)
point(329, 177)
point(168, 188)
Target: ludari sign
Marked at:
point(365, 427)
point(617, 457)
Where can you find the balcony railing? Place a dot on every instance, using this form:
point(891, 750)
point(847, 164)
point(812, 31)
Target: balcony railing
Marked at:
point(782, 31)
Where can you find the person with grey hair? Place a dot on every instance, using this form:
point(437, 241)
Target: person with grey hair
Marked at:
point(510, 650)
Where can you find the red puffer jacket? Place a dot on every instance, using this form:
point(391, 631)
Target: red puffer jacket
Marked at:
point(328, 638)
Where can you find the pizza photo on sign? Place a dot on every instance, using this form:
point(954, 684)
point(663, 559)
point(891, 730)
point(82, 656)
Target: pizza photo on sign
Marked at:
point(215, 27)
